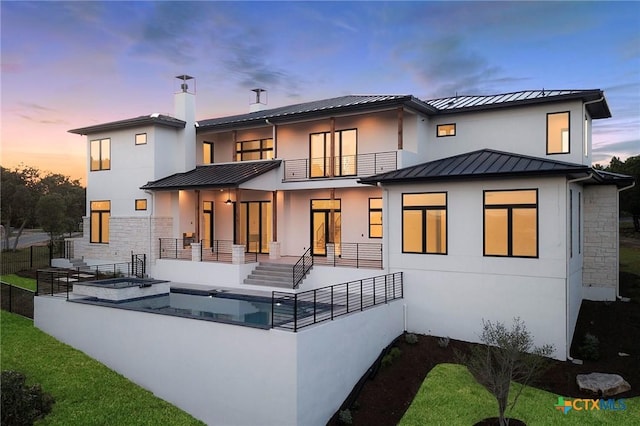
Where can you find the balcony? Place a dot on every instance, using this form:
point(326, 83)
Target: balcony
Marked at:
point(346, 166)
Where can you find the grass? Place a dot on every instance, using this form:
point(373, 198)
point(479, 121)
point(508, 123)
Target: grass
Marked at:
point(630, 260)
point(17, 281)
point(451, 396)
point(86, 392)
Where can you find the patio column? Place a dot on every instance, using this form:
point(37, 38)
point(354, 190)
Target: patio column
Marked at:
point(274, 245)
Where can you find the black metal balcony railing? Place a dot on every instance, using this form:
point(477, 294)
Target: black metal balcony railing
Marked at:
point(360, 165)
point(355, 255)
point(59, 281)
point(210, 251)
point(293, 311)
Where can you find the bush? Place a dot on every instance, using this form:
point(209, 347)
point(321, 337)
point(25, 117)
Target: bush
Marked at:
point(344, 416)
point(22, 404)
point(388, 359)
point(443, 342)
point(411, 338)
point(590, 348)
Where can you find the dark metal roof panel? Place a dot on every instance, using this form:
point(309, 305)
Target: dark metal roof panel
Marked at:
point(470, 103)
point(214, 175)
point(143, 120)
point(479, 164)
point(320, 107)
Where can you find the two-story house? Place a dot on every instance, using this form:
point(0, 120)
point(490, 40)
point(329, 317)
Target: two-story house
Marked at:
point(488, 205)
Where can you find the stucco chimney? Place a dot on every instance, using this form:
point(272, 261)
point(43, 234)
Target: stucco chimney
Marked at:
point(260, 102)
point(185, 109)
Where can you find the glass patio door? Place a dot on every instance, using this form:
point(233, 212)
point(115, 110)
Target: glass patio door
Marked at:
point(255, 226)
point(207, 222)
point(323, 229)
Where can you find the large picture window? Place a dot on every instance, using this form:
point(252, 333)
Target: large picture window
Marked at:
point(100, 214)
point(100, 154)
point(558, 133)
point(375, 217)
point(511, 223)
point(345, 151)
point(254, 150)
point(424, 223)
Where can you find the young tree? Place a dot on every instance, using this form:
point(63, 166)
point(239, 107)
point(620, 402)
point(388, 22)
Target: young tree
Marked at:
point(51, 214)
point(629, 199)
point(506, 356)
point(17, 201)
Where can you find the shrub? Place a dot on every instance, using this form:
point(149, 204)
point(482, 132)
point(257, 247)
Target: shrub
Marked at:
point(443, 342)
point(590, 348)
point(22, 404)
point(411, 338)
point(388, 359)
point(344, 416)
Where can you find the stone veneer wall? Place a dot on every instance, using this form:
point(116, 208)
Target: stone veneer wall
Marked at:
point(126, 234)
point(600, 248)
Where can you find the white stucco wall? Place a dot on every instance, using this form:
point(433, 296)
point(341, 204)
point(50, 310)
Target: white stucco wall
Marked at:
point(449, 295)
point(224, 374)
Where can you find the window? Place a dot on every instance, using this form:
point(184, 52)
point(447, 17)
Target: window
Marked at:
point(375, 217)
point(446, 130)
point(100, 214)
point(345, 151)
point(207, 152)
point(558, 133)
point(424, 223)
point(511, 223)
point(141, 139)
point(254, 150)
point(100, 154)
point(141, 204)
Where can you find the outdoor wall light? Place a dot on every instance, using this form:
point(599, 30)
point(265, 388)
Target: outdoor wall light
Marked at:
point(228, 202)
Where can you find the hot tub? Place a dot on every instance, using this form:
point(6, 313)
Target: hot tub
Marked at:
point(117, 289)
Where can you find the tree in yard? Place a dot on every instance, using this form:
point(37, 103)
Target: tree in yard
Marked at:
point(51, 214)
point(17, 203)
point(630, 198)
point(506, 356)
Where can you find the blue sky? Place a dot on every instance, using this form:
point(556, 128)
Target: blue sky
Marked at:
point(73, 64)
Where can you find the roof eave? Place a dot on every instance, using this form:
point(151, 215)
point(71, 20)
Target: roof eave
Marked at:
point(129, 123)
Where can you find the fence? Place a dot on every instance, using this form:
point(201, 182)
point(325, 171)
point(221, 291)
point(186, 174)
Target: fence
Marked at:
point(358, 255)
point(30, 257)
point(295, 311)
point(59, 282)
point(350, 166)
point(215, 251)
point(17, 300)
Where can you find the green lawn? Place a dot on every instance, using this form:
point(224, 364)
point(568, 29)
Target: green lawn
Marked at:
point(86, 392)
point(630, 260)
point(449, 395)
point(15, 280)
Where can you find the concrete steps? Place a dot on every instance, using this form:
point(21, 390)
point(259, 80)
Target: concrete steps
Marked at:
point(271, 275)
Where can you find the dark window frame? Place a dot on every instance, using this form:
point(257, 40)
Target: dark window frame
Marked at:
point(101, 160)
point(510, 208)
point(424, 210)
point(372, 210)
point(141, 200)
point(336, 162)
point(100, 213)
point(136, 139)
point(438, 126)
point(210, 159)
point(263, 149)
point(568, 134)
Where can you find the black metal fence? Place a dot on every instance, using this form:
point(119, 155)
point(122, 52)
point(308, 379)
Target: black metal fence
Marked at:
point(59, 281)
point(355, 255)
point(214, 251)
point(350, 166)
point(293, 311)
point(31, 257)
point(17, 300)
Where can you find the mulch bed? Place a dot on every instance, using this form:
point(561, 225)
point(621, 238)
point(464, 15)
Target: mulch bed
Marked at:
point(385, 398)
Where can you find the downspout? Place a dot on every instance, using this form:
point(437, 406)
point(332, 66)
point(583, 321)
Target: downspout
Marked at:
point(567, 338)
point(618, 297)
point(153, 203)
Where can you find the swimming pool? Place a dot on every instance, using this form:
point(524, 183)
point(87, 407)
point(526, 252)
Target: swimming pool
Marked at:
point(211, 305)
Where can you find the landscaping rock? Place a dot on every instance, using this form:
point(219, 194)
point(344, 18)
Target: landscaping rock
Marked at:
point(602, 384)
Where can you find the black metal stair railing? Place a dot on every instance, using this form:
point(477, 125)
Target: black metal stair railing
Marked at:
point(301, 267)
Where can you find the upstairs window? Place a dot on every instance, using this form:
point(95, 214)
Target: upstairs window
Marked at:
point(345, 151)
point(141, 204)
point(254, 150)
point(207, 152)
point(443, 130)
point(558, 133)
point(100, 154)
point(511, 223)
point(375, 217)
point(141, 139)
point(424, 223)
point(100, 214)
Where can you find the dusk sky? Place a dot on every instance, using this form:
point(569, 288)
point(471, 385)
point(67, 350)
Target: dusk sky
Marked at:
point(74, 64)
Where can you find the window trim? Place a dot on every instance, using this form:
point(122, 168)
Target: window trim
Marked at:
point(262, 150)
point(331, 164)
point(509, 208)
point(438, 126)
point(376, 210)
point(100, 230)
point(568, 130)
point(136, 139)
point(100, 159)
point(139, 207)
point(424, 209)
point(210, 159)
